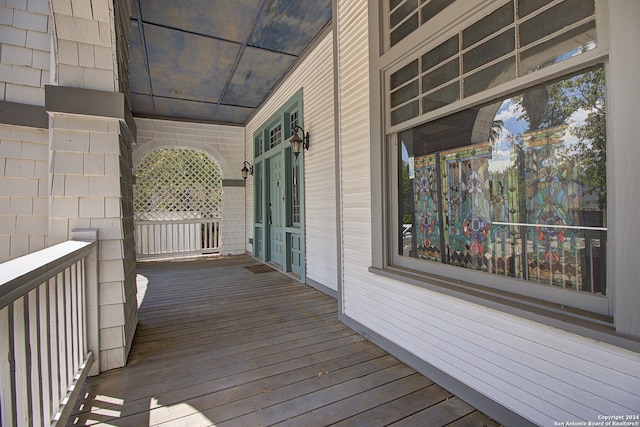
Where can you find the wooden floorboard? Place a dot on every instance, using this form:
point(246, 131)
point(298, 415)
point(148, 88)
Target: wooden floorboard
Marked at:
point(218, 345)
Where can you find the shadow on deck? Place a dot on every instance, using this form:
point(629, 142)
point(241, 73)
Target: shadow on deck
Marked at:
point(218, 344)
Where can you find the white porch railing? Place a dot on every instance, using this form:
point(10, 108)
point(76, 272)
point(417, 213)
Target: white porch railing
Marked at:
point(48, 332)
point(177, 238)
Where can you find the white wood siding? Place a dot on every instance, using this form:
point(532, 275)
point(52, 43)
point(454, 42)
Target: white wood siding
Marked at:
point(542, 373)
point(315, 76)
point(355, 168)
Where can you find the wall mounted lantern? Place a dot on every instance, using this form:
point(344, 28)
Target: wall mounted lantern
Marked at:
point(246, 171)
point(296, 140)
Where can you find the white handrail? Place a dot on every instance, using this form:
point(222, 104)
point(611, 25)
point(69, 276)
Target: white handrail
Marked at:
point(48, 332)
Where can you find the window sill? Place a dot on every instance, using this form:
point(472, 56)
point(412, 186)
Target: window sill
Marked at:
point(581, 322)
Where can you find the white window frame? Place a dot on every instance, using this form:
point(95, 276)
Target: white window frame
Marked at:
point(470, 284)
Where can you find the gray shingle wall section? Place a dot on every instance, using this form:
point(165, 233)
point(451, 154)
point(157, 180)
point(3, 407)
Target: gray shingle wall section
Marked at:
point(92, 187)
point(24, 51)
point(24, 157)
point(91, 179)
point(85, 45)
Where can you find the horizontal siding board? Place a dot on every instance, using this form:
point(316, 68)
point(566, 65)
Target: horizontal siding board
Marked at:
point(525, 404)
point(521, 367)
point(519, 373)
point(320, 196)
point(354, 130)
point(618, 359)
point(620, 373)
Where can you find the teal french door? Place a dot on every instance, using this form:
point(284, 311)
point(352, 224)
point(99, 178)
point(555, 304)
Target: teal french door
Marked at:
point(279, 192)
point(276, 208)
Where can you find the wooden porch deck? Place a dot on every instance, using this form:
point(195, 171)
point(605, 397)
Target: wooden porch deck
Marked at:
point(219, 345)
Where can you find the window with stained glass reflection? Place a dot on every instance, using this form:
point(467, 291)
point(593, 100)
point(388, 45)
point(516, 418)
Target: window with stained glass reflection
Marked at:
point(516, 187)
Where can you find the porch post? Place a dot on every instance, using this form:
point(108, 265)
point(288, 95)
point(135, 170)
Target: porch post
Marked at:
point(90, 168)
point(91, 295)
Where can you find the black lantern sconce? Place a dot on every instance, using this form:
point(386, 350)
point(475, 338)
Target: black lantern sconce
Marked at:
point(296, 140)
point(246, 171)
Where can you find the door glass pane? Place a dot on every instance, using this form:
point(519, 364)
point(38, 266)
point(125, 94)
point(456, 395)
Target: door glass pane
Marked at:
point(258, 146)
point(275, 136)
point(295, 190)
point(293, 122)
point(257, 188)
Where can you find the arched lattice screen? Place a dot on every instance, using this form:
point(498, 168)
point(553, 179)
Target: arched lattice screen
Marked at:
point(176, 184)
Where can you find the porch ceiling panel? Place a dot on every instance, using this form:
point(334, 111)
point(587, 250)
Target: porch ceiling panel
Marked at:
point(258, 71)
point(198, 64)
point(215, 60)
point(231, 114)
point(182, 109)
point(143, 104)
point(222, 19)
point(289, 26)
point(139, 79)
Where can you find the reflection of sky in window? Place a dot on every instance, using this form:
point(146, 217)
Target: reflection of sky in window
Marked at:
point(578, 50)
point(511, 132)
point(514, 127)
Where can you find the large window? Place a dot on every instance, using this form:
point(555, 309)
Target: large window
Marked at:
point(503, 145)
point(496, 131)
point(515, 187)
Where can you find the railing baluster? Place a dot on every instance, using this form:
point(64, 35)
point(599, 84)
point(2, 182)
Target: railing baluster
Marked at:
point(6, 415)
point(176, 238)
point(68, 330)
point(82, 301)
point(39, 416)
point(44, 355)
point(20, 341)
point(59, 314)
point(73, 311)
point(54, 344)
point(45, 351)
point(33, 352)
